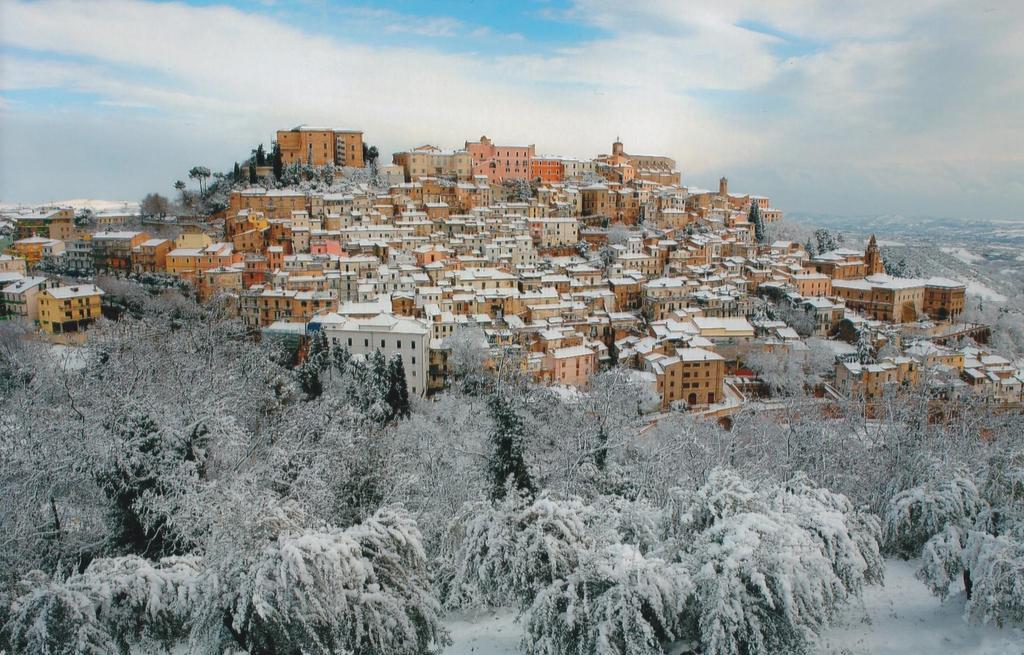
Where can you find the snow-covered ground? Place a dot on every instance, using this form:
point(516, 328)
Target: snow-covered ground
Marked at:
point(484, 633)
point(900, 618)
point(904, 618)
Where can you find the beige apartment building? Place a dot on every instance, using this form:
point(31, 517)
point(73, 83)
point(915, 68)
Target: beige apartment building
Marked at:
point(431, 161)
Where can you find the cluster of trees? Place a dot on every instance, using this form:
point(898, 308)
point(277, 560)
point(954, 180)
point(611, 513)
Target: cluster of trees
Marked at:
point(173, 484)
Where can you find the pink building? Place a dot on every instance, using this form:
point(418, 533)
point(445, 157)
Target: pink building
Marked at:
point(326, 247)
point(571, 366)
point(500, 163)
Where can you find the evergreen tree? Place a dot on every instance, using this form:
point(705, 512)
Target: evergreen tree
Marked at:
point(261, 156)
point(757, 222)
point(826, 242)
point(370, 154)
point(236, 175)
point(340, 358)
point(398, 389)
point(317, 361)
point(377, 388)
point(277, 162)
point(507, 466)
point(252, 172)
point(811, 250)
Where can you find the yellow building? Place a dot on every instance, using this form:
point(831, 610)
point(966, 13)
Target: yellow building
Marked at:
point(69, 309)
point(31, 249)
point(694, 376)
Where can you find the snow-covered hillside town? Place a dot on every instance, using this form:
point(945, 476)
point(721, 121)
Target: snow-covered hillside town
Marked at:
point(485, 400)
point(572, 265)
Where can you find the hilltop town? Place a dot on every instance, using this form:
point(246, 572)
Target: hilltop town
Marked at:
point(576, 265)
point(485, 400)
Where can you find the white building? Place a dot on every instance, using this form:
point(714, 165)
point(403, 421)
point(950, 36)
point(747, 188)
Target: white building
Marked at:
point(392, 335)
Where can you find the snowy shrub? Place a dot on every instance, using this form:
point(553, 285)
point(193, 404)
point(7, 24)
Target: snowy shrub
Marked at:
point(115, 603)
point(769, 567)
point(942, 560)
point(618, 520)
point(997, 571)
point(616, 602)
point(915, 515)
point(762, 585)
point(507, 552)
point(724, 494)
point(58, 619)
point(364, 589)
point(848, 537)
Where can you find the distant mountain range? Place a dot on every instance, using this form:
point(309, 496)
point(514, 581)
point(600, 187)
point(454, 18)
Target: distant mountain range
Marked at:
point(942, 229)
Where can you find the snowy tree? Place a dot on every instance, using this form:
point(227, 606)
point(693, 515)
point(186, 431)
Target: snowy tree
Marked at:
point(509, 551)
point(114, 604)
point(769, 568)
point(201, 174)
point(467, 356)
point(154, 204)
point(755, 219)
point(780, 371)
point(825, 240)
point(507, 466)
point(398, 390)
point(317, 361)
point(996, 564)
point(866, 353)
point(364, 589)
point(617, 602)
point(618, 234)
point(915, 515)
point(55, 618)
point(961, 533)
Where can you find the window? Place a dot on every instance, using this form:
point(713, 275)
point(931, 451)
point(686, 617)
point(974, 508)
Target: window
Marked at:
point(382, 343)
point(399, 344)
point(414, 345)
point(366, 343)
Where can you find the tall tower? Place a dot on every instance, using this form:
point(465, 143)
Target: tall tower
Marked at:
point(873, 258)
point(617, 149)
point(723, 186)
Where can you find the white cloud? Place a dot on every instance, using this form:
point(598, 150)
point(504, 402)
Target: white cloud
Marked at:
point(852, 121)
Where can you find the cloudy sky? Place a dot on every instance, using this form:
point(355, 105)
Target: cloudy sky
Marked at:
point(870, 106)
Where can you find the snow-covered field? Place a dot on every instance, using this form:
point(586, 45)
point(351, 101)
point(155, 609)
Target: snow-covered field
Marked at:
point(901, 618)
point(96, 205)
point(964, 255)
point(975, 288)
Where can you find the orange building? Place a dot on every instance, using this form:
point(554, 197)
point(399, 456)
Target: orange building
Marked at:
point(150, 256)
point(320, 146)
point(547, 169)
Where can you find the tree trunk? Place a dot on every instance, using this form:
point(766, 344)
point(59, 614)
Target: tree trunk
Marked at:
point(968, 583)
